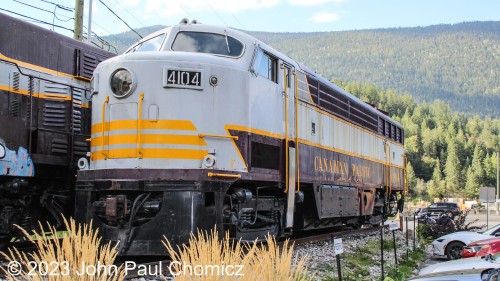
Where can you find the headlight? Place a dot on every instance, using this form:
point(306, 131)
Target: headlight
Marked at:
point(122, 83)
point(473, 249)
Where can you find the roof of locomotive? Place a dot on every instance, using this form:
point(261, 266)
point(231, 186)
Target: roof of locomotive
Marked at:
point(248, 40)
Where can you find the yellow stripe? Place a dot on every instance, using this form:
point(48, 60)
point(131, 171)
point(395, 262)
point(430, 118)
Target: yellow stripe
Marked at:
point(184, 125)
point(156, 153)
point(253, 131)
point(150, 139)
point(268, 134)
point(347, 153)
point(38, 95)
point(37, 67)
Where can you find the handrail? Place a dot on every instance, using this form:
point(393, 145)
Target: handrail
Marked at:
point(106, 101)
point(217, 136)
point(285, 88)
point(405, 175)
point(297, 162)
point(388, 159)
point(139, 126)
point(210, 174)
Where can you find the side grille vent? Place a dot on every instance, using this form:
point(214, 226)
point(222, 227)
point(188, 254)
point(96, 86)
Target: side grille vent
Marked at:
point(80, 148)
point(77, 110)
point(54, 114)
point(57, 89)
point(28, 103)
point(87, 63)
point(59, 146)
point(16, 81)
point(14, 108)
point(54, 109)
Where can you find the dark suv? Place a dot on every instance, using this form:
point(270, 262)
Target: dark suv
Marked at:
point(436, 209)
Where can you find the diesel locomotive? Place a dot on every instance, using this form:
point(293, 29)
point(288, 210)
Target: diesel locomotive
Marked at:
point(198, 126)
point(44, 122)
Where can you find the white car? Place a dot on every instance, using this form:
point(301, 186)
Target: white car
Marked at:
point(462, 275)
point(450, 245)
point(475, 263)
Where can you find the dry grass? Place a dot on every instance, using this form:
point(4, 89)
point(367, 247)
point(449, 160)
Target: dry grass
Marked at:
point(77, 255)
point(207, 258)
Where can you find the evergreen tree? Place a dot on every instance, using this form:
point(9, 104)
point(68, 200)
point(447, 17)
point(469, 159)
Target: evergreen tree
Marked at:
point(452, 170)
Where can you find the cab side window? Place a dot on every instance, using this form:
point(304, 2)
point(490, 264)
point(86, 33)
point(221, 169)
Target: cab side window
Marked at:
point(266, 65)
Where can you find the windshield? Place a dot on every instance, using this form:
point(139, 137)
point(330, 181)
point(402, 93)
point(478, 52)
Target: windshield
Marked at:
point(491, 231)
point(441, 205)
point(152, 44)
point(211, 43)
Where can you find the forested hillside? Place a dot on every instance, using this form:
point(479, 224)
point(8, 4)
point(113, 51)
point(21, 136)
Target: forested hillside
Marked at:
point(458, 64)
point(450, 154)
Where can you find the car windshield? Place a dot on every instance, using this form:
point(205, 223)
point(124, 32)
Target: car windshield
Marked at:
point(211, 43)
point(490, 231)
point(440, 205)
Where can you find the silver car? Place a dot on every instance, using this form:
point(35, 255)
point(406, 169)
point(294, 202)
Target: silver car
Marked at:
point(462, 275)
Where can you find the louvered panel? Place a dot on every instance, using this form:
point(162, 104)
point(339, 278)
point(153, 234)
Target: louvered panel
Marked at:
point(16, 81)
point(14, 107)
point(77, 110)
point(80, 148)
point(59, 146)
point(88, 63)
point(31, 90)
point(54, 88)
point(54, 114)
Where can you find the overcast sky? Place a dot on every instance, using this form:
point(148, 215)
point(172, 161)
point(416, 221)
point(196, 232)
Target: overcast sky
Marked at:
point(259, 15)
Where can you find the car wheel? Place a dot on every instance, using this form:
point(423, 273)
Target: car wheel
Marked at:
point(454, 249)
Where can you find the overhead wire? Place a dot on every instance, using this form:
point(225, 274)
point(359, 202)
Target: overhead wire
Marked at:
point(215, 12)
point(120, 18)
point(98, 38)
point(37, 20)
point(59, 6)
point(128, 12)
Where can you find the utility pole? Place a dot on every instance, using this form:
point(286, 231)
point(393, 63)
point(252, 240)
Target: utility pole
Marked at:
point(498, 174)
point(78, 20)
point(89, 26)
point(498, 180)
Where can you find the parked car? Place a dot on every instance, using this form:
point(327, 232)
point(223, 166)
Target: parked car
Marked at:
point(450, 245)
point(452, 209)
point(482, 248)
point(421, 211)
point(486, 262)
point(462, 275)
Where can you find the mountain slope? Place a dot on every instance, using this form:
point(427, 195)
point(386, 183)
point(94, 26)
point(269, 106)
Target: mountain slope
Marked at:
point(456, 63)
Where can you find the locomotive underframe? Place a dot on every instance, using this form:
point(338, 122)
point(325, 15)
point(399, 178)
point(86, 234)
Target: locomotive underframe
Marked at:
point(141, 207)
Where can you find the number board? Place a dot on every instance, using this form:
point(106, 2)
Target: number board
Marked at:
point(182, 78)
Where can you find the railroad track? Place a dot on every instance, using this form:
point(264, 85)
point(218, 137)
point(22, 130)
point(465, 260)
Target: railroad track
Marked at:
point(333, 234)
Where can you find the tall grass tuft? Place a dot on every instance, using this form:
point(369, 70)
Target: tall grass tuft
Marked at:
point(76, 255)
point(269, 262)
point(207, 258)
